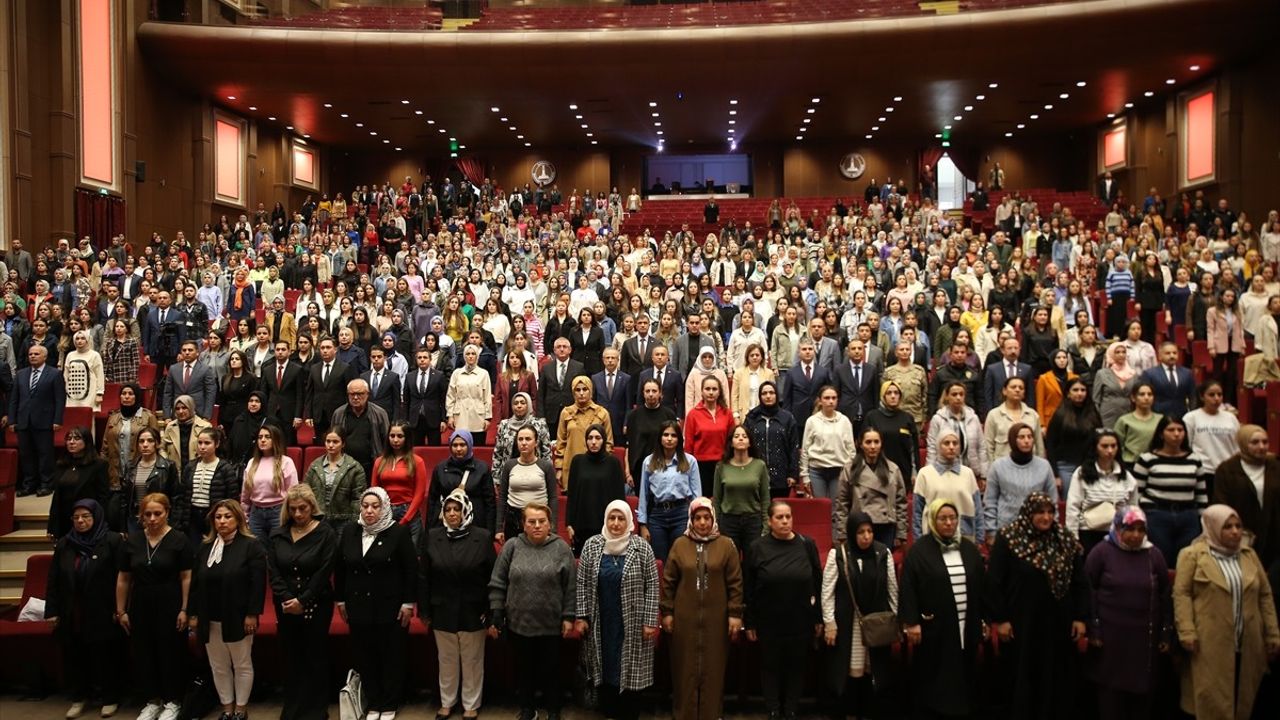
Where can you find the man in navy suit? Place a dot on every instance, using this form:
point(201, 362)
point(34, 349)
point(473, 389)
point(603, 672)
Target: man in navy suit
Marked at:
point(1174, 385)
point(669, 378)
point(998, 372)
point(424, 393)
point(35, 409)
point(162, 331)
point(191, 377)
point(858, 382)
point(384, 383)
point(613, 392)
point(555, 381)
point(803, 381)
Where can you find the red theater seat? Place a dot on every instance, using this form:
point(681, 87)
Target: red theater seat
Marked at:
point(310, 454)
point(295, 454)
point(812, 517)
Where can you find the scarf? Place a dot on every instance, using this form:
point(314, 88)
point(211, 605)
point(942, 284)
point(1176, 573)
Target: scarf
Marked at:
point(1211, 521)
point(215, 553)
point(769, 411)
point(84, 543)
point(238, 302)
point(953, 324)
point(128, 411)
point(884, 390)
point(1127, 517)
point(471, 444)
point(617, 544)
point(930, 515)
point(865, 579)
point(1019, 457)
point(1052, 552)
point(1124, 373)
point(519, 421)
point(458, 495)
point(384, 520)
point(698, 504)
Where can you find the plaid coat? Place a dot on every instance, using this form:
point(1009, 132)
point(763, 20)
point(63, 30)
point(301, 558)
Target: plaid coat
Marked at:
point(639, 608)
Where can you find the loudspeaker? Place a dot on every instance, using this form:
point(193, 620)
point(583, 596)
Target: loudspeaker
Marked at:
point(140, 170)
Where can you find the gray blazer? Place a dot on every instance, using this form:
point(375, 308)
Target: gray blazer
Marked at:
point(680, 359)
point(203, 388)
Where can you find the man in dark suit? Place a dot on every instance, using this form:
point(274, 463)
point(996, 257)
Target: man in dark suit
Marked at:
point(956, 369)
point(326, 387)
point(284, 382)
point(613, 392)
point(1174, 385)
point(6, 387)
point(162, 331)
point(668, 377)
point(637, 351)
point(191, 377)
point(998, 372)
point(1108, 189)
point(555, 381)
point(803, 381)
point(858, 382)
point(384, 383)
point(35, 409)
point(424, 394)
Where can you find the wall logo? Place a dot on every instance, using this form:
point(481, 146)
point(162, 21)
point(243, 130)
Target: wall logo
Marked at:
point(543, 172)
point(853, 165)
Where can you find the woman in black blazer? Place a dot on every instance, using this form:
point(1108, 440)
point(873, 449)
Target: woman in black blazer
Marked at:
point(228, 586)
point(82, 476)
point(375, 585)
point(586, 342)
point(300, 555)
point(79, 599)
point(457, 560)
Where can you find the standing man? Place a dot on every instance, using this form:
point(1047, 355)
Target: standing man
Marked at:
point(669, 379)
point(424, 394)
point(191, 377)
point(326, 388)
point(555, 381)
point(162, 331)
point(613, 392)
point(998, 372)
point(20, 260)
point(826, 349)
point(1174, 385)
point(284, 382)
point(804, 379)
point(384, 383)
point(35, 409)
point(637, 351)
point(858, 382)
point(364, 425)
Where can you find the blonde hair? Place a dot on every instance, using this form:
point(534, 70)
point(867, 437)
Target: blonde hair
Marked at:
point(298, 493)
point(242, 521)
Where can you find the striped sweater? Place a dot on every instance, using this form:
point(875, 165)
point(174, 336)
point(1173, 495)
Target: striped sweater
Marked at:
point(1164, 479)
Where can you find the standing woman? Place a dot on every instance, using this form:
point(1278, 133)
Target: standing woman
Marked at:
point(942, 612)
point(571, 426)
point(522, 415)
point(1111, 388)
point(827, 447)
point(1211, 429)
point(1100, 486)
point(1002, 418)
point(747, 381)
point(120, 353)
point(1224, 325)
point(375, 585)
point(120, 446)
point(267, 478)
point(151, 605)
point(523, 480)
point(1039, 341)
point(83, 373)
point(227, 591)
point(1038, 603)
point(235, 388)
point(469, 399)
point(1052, 386)
point(1225, 615)
point(782, 584)
point(703, 587)
point(1119, 287)
point(587, 342)
point(152, 473)
point(1173, 487)
point(669, 481)
point(595, 482)
point(462, 470)
point(1071, 432)
point(899, 433)
point(1014, 478)
point(300, 556)
point(873, 486)
point(208, 481)
point(776, 437)
point(707, 428)
point(337, 480)
point(78, 599)
point(404, 476)
point(857, 580)
point(1130, 618)
point(456, 563)
point(1137, 428)
point(531, 600)
point(514, 379)
point(617, 611)
point(81, 476)
point(742, 490)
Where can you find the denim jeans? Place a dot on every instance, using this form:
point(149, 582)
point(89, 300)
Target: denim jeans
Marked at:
point(1172, 530)
point(665, 526)
point(1066, 469)
point(263, 519)
point(824, 481)
point(415, 527)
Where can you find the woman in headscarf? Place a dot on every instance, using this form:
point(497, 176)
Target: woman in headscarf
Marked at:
point(82, 373)
point(705, 366)
point(1111, 384)
point(523, 480)
point(375, 585)
point(899, 433)
point(456, 563)
point(1225, 615)
point(119, 445)
point(872, 485)
point(1131, 616)
point(243, 432)
point(571, 427)
point(942, 610)
point(228, 587)
point(947, 478)
point(1014, 478)
point(617, 611)
point(776, 437)
point(946, 334)
point(79, 597)
point(702, 607)
point(81, 475)
point(595, 482)
point(857, 580)
point(1038, 603)
point(522, 415)
point(462, 470)
point(1051, 387)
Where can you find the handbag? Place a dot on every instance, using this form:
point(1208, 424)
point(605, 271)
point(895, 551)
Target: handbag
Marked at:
point(879, 629)
point(351, 698)
point(1100, 516)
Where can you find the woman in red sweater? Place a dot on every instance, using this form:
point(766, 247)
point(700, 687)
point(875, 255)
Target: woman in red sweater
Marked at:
point(404, 476)
point(706, 430)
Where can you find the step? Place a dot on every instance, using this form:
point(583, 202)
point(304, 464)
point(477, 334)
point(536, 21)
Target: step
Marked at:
point(30, 521)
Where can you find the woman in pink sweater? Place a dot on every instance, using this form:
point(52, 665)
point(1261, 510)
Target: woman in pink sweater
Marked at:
point(268, 477)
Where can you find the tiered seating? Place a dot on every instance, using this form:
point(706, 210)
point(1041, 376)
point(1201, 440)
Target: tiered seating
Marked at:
point(363, 18)
point(660, 216)
point(1084, 206)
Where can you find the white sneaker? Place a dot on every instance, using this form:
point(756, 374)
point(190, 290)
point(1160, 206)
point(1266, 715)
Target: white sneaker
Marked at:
point(75, 711)
point(372, 715)
point(171, 711)
point(389, 715)
point(150, 712)
point(109, 710)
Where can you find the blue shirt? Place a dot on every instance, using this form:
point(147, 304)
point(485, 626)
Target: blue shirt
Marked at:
point(667, 485)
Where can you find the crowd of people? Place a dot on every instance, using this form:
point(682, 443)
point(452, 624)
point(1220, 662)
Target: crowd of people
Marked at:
point(1013, 445)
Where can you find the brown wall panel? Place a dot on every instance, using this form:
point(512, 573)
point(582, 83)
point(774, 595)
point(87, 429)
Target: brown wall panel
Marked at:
point(814, 170)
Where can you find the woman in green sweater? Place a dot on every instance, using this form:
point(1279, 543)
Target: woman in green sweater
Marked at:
point(741, 490)
point(1136, 428)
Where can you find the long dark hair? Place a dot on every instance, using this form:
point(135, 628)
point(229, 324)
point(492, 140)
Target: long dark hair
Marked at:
point(1089, 465)
point(881, 466)
point(1157, 438)
point(752, 450)
point(658, 459)
point(1081, 419)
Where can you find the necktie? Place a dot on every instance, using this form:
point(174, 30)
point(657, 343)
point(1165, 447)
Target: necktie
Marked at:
point(560, 374)
point(422, 382)
point(374, 389)
point(1173, 377)
point(324, 378)
point(186, 375)
point(857, 377)
point(279, 375)
point(808, 372)
point(35, 378)
point(1011, 370)
point(659, 378)
point(164, 316)
point(608, 385)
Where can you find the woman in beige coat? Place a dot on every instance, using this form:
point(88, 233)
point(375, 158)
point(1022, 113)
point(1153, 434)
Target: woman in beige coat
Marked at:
point(1228, 650)
point(747, 381)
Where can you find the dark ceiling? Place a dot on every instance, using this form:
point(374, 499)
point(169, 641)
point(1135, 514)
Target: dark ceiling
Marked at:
point(417, 90)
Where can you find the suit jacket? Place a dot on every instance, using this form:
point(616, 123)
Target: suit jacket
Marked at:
point(1170, 399)
point(203, 388)
point(428, 405)
point(856, 400)
point(288, 328)
point(1217, 335)
point(389, 391)
point(993, 380)
point(552, 396)
point(284, 401)
point(800, 392)
point(38, 408)
point(680, 359)
point(588, 352)
point(162, 340)
point(323, 398)
point(618, 404)
point(672, 389)
point(376, 583)
point(829, 354)
point(635, 357)
point(1233, 487)
point(1108, 194)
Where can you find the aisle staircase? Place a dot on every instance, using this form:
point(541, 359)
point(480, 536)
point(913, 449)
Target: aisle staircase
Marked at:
point(27, 538)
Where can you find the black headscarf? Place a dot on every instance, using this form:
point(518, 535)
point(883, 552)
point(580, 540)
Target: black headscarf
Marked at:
point(1019, 457)
point(953, 324)
point(261, 415)
point(129, 411)
point(85, 543)
point(768, 411)
point(865, 579)
point(599, 455)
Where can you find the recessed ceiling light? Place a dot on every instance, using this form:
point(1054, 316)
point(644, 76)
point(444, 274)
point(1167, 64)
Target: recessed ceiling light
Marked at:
point(591, 134)
point(897, 98)
point(462, 147)
point(404, 102)
point(869, 136)
point(503, 119)
point(1111, 115)
point(730, 131)
point(1170, 81)
point(946, 127)
point(343, 115)
point(1194, 68)
point(799, 137)
point(958, 118)
point(657, 124)
point(573, 107)
point(882, 119)
point(733, 122)
point(384, 141)
point(1064, 96)
point(453, 139)
point(993, 86)
point(417, 112)
point(1021, 125)
point(306, 136)
point(1082, 83)
point(1148, 94)
point(398, 149)
point(431, 122)
point(328, 105)
point(875, 128)
point(494, 109)
point(1008, 134)
point(595, 142)
point(512, 128)
point(442, 131)
point(815, 100)
point(519, 137)
point(253, 107)
point(804, 129)
point(271, 117)
point(808, 120)
point(653, 104)
point(288, 127)
point(889, 109)
point(733, 102)
point(577, 117)
point(654, 115)
point(810, 111)
point(1048, 106)
point(359, 124)
point(660, 132)
point(1128, 105)
point(1034, 116)
point(733, 112)
point(968, 108)
point(528, 144)
point(373, 132)
point(979, 97)
point(584, 126)
point(233, 97)
point(937, 135)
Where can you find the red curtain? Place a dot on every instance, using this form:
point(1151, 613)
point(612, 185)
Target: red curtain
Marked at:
point(968, 162)
point(99, 217)
point(471, 169)
point(929, 158)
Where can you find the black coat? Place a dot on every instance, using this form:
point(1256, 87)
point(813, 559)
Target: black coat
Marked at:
point(224, 485)
point(552, 396)
point(447, 476)
point(303, 570)
point(231, 590)
point(162, 479)
point(285, 400)
point(72, 484)
point(454, 579)
point(323, 398)
point(428, 405)
point(84, 601)
point(375, 584)
point(589, 352)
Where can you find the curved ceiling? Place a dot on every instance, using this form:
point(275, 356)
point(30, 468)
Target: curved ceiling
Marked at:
point(904, 78)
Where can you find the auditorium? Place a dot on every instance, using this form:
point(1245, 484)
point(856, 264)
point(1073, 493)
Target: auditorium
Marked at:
point(636, 359)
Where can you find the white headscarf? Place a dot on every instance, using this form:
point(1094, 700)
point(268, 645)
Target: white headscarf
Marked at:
point(617, 544)
point(384, 520)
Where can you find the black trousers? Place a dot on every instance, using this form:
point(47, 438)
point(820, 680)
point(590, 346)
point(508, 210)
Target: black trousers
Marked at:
point(538, 658)
point(159, 658)
point(741, 529)
point(619, 704)
point(307, 691)
point(89, 667)
point(707, 473)
point(424, 432)
point(35, 457)
point(380, 651)
point(783, 661)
